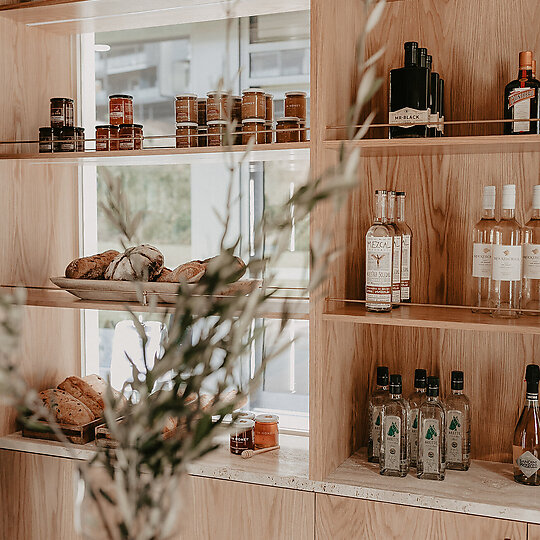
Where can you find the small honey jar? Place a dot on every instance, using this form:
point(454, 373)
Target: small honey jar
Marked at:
point(266, 431)
point(242, 436)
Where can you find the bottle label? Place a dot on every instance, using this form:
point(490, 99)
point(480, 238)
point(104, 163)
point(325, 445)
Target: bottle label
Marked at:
point(526, 462)
point(396, 271)
point(379, 269)
point(405, 267)
point(506, 263)
point(519, 102)
point(531, 261)
point(433, 120)
point(414, 435)
point(376, 431)
point(392, 442)
point(454, 436)
point(482, 260)
point(431, 435)
point(407, 117)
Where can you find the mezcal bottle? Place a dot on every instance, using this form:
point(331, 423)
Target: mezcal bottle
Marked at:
point(458, 426)
point(431, 462)
point(415, 400)
point(376, 401)
point(394, 455)
point(396, 260)
point(406, 246)
point(526, 448)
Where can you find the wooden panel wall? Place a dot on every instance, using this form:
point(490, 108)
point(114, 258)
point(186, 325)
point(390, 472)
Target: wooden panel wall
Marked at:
point(39, 203)
point(342, 518)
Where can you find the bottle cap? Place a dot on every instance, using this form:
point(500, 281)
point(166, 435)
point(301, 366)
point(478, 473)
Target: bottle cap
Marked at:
point(420, 378)
point(382, 376)
point(400, 194)
point(381, 192)
point(457, 380)
point(395, 384)
point(525, 60)
point(489, 198)
point(532, 377)
point(536, 197)
point(433, 386)
point(429, 61)
point(411, 53)
point(509, 197)
point(422, 57)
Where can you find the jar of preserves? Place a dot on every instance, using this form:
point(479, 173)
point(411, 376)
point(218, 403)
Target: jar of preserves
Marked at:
point(62, 112)
point(186, 135)
point(80, 139)
point(253, 127)
point(107, 137)
point(253, 104)
point(237, 109)
point(120, 109)
point(186, 108)
point(242, 436)
point(295, 104)
point(266, 431)
point(269, 107)
point(68, 139)
point(303, 131)
point(269, 135)
point(217, 132)
point(217, 106)
point(203, 136)
point(201, 107)
point(131, 137)
point(287, 129)
point(46, 140)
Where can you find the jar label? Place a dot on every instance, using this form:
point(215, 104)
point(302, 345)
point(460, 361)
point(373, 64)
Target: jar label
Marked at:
point(482, 260)
point(127, 145)
point(376, 430)
point(506, 263)
point(379, 269)
point(429, 446)
point(519, 102)
point(57, 114)
point(392, 442)
point(526, 462)
point(414, 434)
point(405, 267)
point(101, 145)
point(408, 117)
point(67, 146)
point(531, 261)
point(454, 436)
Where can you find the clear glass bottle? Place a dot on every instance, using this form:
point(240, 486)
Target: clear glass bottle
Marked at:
point(526, 448)
point(406, 247)
point(415, 400)
point(530, 298)
point(394, 456)
point(396, 259)
point(376, 400)
point(505, 294)
point(482, 264)
point(379, 251)
point(431, 462)
point(458, 426)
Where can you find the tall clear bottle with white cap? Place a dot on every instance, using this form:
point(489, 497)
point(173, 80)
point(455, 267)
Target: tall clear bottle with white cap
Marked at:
point(505, 296)
point(530, 298)
point(482, 251)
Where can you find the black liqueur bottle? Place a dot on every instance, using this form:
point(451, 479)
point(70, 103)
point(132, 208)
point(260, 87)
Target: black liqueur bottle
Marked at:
point(409, 95)
point(433, 100)
point(521, 99)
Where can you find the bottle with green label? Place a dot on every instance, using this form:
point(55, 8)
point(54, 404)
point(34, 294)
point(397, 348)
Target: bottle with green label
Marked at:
point(415, 400)
point(458, 426)
point(431, 462)
point(526, 448)
point(394, 455)
point(376, 401)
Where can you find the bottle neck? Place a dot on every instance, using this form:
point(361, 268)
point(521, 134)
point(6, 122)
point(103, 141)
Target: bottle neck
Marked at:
point(536, 213)
point(391, 208)
point(382, 387)
point(508, 213)
point(488, 213)
point(432, 399)
point(457, 392)
point(420, 390)
point(525, 73)
point(400, 204)
point(380, 208)
point(532, 399)
point(395, 396)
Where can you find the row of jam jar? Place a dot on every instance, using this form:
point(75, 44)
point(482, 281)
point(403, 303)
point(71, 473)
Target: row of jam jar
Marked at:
point(121, 133)
point(62, 135)
point(251, 432)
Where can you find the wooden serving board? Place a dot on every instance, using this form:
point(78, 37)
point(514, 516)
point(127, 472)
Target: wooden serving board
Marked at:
point(128, 291)
point(75, 434)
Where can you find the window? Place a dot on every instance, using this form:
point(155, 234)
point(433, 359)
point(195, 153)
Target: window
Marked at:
point(180, 201)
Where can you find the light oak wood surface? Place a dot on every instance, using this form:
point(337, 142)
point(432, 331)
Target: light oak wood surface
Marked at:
point(342, 518)
point(534, 532)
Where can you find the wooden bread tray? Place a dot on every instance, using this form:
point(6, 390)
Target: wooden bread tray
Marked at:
point(75, 434)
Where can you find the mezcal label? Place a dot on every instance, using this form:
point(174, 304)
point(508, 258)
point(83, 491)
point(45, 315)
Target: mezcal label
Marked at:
point(392, 442)
point(414, 435)
point(376, 430)
point(520, 103)
point(407, 117)
point(482, 260)
point(396, 270)
point(531, 261)
point(506, 263)
point(405, 267)
point(431, 435)
point(379, 269)
point(526, 462)
point(454, 436)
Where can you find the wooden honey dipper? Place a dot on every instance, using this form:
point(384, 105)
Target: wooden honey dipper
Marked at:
point(246, 454)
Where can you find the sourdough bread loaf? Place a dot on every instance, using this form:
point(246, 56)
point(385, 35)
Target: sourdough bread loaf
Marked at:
point(191, 272)
point(81, 390)
point(66, 408)
point(140, 263)
point(93, 267)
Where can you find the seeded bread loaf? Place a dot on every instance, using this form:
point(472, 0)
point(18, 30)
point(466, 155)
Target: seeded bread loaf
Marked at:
point(66, 408)
point(81, 390)
point(93, 267)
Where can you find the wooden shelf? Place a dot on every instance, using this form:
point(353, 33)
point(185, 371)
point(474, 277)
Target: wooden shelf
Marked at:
point(487, 144)
point(486, 489)
point(57, 298)
point(168, 156)
point(78, 16)
point(425, 316)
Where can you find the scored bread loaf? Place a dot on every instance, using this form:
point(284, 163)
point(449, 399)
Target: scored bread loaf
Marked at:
point(164, 273)
point(66, 408)
point(93, 267)
point(99, 384)
point(191, 272)
point(140, 263)
point(81, 390)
